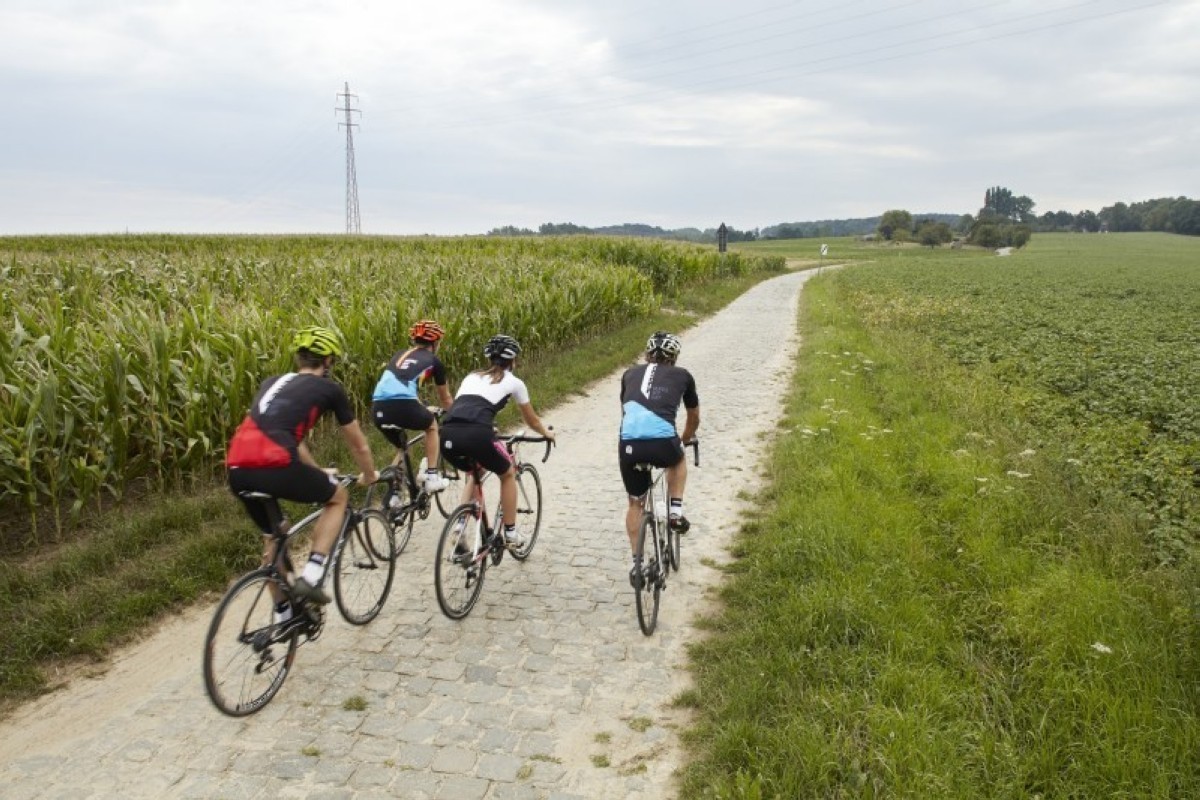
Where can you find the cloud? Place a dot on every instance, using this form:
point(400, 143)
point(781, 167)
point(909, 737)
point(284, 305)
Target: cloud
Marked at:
point(475, 114)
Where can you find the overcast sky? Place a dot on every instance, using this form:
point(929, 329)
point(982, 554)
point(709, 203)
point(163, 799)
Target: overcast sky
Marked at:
point(219, 115)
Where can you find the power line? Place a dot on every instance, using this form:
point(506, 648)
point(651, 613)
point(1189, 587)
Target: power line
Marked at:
point(851, 58)
point(353, 223)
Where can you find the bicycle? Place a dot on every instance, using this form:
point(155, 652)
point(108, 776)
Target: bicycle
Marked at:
point(458, 573)
point(400, 491)
point(658, 546)
point(247, 652)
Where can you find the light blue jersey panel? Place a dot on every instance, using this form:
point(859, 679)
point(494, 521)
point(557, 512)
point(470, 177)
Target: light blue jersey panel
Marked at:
point(641, 423)
point(392, 388)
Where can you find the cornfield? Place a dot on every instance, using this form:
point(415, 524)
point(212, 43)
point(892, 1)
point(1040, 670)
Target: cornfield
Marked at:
point(129, 360)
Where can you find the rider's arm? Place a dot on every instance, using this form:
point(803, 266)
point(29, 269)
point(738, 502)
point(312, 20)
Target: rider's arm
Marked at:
point(361, 450)
point(690, 425)
point(534, 421)
point(444, 396)
point(306, 455)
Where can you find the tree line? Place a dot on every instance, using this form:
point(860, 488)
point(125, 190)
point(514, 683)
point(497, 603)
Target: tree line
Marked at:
point(1005, 220)
point(705, 236)
point(1166, 214)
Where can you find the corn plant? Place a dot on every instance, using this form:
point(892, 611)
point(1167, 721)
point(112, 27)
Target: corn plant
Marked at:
point(130, 360)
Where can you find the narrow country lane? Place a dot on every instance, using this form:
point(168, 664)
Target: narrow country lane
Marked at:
point(548, 689)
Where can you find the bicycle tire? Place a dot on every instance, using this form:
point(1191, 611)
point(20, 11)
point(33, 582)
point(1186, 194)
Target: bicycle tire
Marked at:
point(446, 500)
point(529, 506)
point(394, 498)
point(242, 667)
point(671, 546)
point(364, 566)
point(458, 585)
point(647, 598)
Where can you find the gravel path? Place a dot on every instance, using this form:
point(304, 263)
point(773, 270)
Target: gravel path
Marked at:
point(548, 689)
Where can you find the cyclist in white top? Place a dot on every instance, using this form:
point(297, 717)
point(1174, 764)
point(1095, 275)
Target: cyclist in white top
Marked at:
point(469, 432)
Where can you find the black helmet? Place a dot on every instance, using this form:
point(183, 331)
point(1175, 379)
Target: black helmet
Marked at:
point(502, 346)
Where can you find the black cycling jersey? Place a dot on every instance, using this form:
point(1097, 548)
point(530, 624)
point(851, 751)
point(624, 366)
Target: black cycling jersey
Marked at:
point(285, 409)
point(650, 398)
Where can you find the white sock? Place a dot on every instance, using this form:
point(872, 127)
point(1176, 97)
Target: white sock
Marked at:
point(314, 570)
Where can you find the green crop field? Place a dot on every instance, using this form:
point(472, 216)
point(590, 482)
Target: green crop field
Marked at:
point(973, 572)
point(129, 360)
point(1099, 340)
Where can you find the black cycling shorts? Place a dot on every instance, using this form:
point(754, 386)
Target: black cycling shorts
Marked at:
point(465, 444)
point(408, 414)
point(297, 481)
point(655, 452)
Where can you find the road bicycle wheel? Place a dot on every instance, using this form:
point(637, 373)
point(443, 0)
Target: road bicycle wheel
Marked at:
point(672, 545)
point(447, 498)
point(648, 596)
point(529, 509)
point(364, 566)
point(247, 657)
point(392, 495)
point(459, 580)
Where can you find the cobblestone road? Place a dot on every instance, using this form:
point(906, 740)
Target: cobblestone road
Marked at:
point(548, 690)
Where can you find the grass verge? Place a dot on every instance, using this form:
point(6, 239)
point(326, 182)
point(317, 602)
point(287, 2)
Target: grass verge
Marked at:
point(925, 607)
point(74, 603)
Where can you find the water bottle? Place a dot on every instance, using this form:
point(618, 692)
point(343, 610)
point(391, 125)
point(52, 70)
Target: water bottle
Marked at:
point(660, 509)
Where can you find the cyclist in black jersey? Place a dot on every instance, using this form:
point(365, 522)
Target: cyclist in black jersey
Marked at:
point(268, 454)
point(396, 399)
point(650, 398)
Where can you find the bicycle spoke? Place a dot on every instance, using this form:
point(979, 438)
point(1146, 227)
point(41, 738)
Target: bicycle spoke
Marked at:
point(529, 508)
point(364, 568)
point(458, 578)
point(647, 598)
point(245, 659)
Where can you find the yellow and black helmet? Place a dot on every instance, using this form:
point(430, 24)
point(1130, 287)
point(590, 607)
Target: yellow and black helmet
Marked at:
point(318, 341)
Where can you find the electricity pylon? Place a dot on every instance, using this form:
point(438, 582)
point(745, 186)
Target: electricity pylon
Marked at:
point(353, 223)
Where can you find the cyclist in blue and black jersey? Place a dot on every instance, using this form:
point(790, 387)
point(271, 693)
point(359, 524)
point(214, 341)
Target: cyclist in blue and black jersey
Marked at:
point(396, 399)
point(650, 398)
point(469, 433)
point(267, 453)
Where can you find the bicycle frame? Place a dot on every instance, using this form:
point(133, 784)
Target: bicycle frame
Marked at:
point(658, 486)
point(478, 476)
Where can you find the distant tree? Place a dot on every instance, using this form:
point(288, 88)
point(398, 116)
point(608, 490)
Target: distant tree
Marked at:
point(999, 201)
point(986, 235)
point(510, 230)
point(1118, 218)
point(932, 234)
point(561, 229)
point(893, 221)
point(1087, 221)
point(1184, 217)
